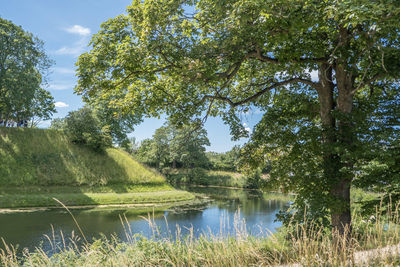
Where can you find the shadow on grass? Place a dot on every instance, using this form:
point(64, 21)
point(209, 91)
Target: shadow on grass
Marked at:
point(37, 165)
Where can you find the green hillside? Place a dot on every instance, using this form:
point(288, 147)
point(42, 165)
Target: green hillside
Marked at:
point(38, 164)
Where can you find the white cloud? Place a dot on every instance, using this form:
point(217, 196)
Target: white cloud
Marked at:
point(63, 70)
point(60, 86)
point(75, 50)
point(78, 29)
point(60, 104)
point(79, 46)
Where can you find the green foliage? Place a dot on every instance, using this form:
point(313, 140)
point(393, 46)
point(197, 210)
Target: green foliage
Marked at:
point(119, 124)
point(199, 176)
point(57, 124)
point(378, 166)
point(173, 146)
point(190, 58)
point(228, 161)
point(83, 127)
point(23, 69)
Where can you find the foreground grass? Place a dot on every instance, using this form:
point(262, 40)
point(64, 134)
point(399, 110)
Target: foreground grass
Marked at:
point(289, 247)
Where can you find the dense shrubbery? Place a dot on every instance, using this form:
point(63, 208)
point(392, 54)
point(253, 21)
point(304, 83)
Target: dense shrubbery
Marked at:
point(83, 127)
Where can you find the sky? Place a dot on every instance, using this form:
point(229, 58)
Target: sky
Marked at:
point(66, 28)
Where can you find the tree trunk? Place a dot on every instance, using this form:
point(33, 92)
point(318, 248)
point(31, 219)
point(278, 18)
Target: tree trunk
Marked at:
point(341, 216)
point(333, 133)
point(174, 164)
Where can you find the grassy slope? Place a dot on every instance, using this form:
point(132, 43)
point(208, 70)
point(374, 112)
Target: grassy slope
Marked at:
point(36, 165)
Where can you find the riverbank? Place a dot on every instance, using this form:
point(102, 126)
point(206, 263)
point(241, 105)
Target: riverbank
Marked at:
point(203, 177)
point(85, 196)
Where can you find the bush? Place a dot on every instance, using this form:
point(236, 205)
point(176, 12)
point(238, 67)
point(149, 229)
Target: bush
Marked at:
point(253, 179)
point(82, 127)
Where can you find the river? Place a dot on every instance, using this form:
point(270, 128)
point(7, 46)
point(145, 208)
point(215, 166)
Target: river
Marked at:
point(227, 212)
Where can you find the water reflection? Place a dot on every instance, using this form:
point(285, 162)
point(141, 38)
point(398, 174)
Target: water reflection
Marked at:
point(222, 216)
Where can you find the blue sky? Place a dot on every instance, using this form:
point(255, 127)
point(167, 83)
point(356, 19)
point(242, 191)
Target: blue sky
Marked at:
point(66, 28)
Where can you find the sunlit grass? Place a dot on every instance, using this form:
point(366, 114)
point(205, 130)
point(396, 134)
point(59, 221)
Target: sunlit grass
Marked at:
point(91, 199)
point(45, 157)
point(37, 165)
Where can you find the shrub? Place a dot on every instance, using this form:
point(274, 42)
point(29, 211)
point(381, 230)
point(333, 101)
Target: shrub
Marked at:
point(83, 127)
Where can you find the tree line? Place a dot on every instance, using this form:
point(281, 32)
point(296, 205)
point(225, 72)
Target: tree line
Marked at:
point(184, 147)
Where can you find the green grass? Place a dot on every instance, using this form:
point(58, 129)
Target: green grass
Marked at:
point(46, 157)
point(37, 165)
point(91, 199)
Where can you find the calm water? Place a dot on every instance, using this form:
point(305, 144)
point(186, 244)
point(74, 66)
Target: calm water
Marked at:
point(227, 211)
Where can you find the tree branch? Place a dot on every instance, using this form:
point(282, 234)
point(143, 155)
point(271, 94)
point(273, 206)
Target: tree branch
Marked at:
point(140, 72)
point(258, 55)
point(258, 94)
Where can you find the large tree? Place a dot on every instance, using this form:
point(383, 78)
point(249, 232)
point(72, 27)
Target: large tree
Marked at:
point(207, 57)
point(23, 69)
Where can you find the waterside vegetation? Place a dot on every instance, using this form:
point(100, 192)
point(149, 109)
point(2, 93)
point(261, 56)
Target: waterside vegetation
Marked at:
point(297, 245)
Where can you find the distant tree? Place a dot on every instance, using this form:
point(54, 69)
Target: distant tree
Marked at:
point(188, 146)
point(228, 161)
point(120, 124)
point(23, 70)
point(41, 107)
point(146, 153)
point(173, 146)
point(57, 124)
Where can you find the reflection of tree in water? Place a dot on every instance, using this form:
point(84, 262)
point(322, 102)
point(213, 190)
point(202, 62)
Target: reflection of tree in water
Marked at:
point(250, 206)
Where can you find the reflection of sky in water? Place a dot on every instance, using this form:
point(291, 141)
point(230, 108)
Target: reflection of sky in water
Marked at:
point(224, 216)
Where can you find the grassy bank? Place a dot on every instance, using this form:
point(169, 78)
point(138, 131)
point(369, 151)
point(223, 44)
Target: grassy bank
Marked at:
point(37, 165)
point(91, 199)
point(296, 247)
point(198, 176)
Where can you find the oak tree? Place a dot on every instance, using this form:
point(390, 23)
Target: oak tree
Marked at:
point(217, 58)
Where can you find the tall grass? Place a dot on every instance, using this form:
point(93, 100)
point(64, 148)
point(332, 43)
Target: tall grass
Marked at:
point(298, 245)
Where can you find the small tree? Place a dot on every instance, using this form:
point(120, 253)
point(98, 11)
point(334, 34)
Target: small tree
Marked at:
point(82, 127)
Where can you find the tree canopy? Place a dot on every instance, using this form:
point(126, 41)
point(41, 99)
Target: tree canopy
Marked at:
point(173, 146)
point(216, 58)
point(23, 69)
